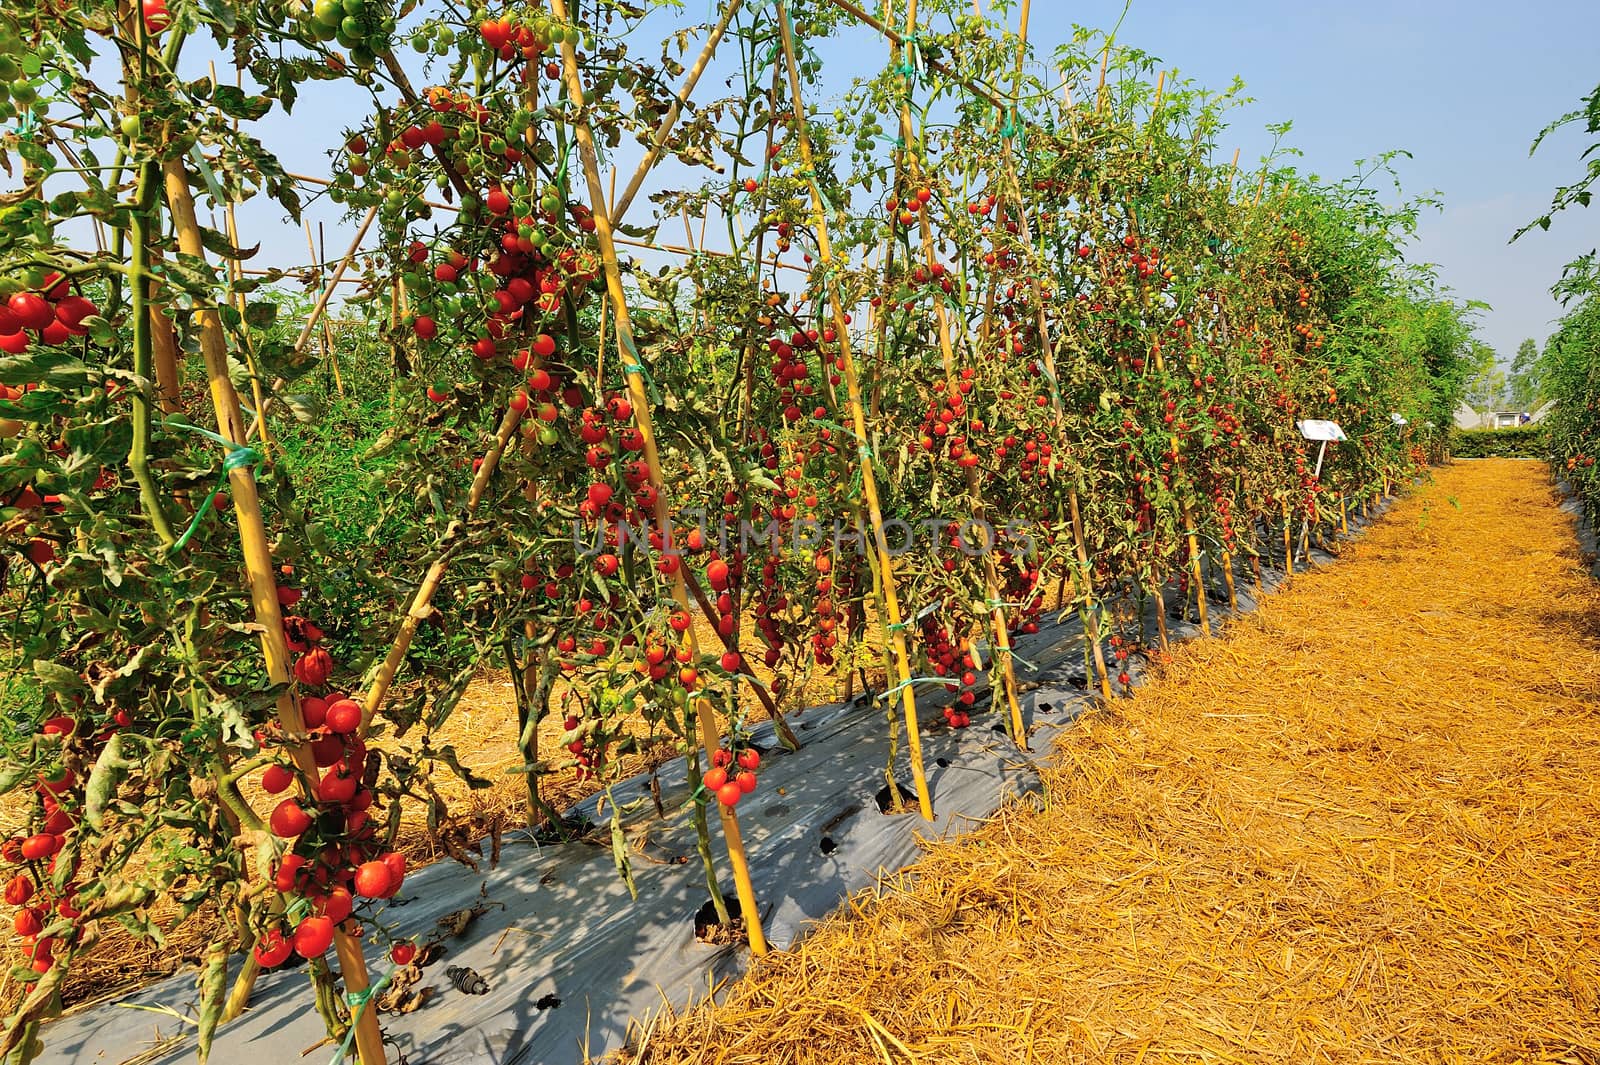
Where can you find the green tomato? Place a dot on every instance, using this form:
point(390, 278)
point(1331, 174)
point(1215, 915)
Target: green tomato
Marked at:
point(447, 36)
point(327, 12)
point(22, 92)
point(354, 7)
point(8, 68)
point(549, 434)
point(132, 126)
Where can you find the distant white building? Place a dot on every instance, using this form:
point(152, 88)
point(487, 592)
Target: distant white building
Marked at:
point(1467, 417)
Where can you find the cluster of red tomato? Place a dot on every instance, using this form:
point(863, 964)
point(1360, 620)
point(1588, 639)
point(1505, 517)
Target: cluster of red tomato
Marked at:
point(335, 853)
point(45, 899)
point(945, 658)
point(732, 775)
point(53, 315)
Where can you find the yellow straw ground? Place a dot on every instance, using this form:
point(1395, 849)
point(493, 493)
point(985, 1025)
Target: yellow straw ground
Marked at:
point(1363, 826)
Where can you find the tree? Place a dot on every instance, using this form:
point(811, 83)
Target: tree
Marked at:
point(1524, 382)
point(1486, 382)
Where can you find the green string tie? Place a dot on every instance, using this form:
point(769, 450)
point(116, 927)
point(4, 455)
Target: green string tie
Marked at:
point(637, 366)
point(239, 456)
point(1012, 654)
point(357, 1001)
point(911, 682)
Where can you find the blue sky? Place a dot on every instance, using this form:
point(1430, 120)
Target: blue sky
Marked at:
point(1463, 86)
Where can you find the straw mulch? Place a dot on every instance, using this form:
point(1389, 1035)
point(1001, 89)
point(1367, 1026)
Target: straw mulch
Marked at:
point(1363, 826)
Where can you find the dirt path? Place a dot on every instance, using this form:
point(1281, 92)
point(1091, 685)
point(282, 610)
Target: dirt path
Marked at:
point(1363, 826)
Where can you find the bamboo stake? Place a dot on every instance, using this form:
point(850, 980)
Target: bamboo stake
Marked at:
point(619, 208)
point(1186, 509)
point(338, 275)
point(704, 712)
point(991, 582)
point(1288, 544)
point(323, 337)
point(329, 351)
point(893, 626)
point(257, 553)
point(1090, 612)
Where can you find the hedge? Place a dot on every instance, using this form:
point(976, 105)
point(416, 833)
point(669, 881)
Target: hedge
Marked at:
point(1521, 442)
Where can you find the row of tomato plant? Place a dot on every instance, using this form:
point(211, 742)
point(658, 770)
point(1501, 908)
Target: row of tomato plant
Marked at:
point(1012, 302)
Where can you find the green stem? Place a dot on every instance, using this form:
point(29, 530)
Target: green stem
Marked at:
point(139, 452)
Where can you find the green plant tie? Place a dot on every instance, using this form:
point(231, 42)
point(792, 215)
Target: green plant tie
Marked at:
point(357, 1001)
point(911, 682)
point(239, 456)
point(637, 366)
point(912, 66)
point(1012, 654)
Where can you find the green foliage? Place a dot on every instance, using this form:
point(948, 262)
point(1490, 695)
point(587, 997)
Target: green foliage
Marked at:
point(1570, 366)
point(1525, 382)
point(1520, 442)
point(1580, 192)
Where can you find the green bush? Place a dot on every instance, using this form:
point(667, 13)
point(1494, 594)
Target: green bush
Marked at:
point(1521, 442)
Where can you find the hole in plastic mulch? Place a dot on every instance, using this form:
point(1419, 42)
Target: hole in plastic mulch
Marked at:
point(708, 930)
point(827, 845)
point(885, 805)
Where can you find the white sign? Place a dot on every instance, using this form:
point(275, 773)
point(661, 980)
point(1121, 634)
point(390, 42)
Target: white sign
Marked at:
point(1313, 429)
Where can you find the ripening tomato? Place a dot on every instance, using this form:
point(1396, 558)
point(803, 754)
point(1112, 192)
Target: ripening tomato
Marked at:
point(276, 779)
point(344, 716)
point(313, 937)
point(289, 820)
point(373, 880)
point(156, 18)
point(402, 953)
point(272, 949)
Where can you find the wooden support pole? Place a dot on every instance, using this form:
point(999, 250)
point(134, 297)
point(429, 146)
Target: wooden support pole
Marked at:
point(257, 554)
point(999, 627)
point(338, 275)
point(1090, 611)
point(704, 712)
point(619, 206)
point(890, 620)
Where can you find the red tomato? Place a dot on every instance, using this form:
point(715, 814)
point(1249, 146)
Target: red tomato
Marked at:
point(156, 18)
point(272, 949)
point(344, 716)
point(729, 794)
point(313, 937)
point(289, 820)
point(373, 880)
point(31, 310)
point(402, 953)
point(276, 779)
